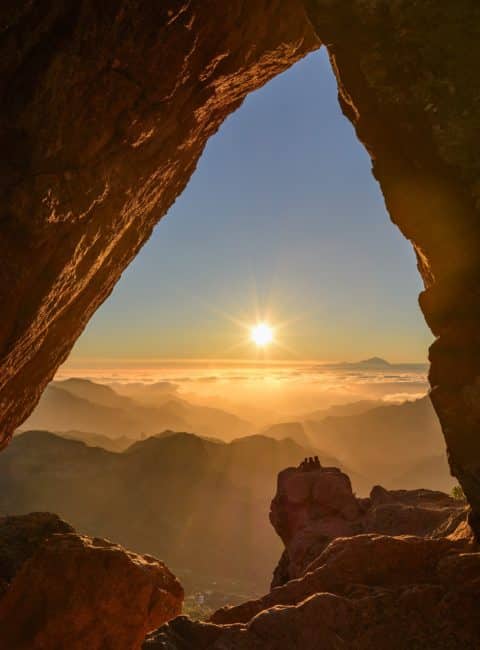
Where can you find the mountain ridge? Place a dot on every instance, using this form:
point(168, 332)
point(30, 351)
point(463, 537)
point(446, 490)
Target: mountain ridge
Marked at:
point(83, 405)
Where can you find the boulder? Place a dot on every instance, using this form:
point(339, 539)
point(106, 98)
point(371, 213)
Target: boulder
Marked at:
point(22, 535)
point(65, 590)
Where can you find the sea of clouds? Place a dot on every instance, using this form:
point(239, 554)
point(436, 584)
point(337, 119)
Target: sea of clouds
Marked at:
point(258, 389)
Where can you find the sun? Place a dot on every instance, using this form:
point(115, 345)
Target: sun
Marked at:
point(261, 334)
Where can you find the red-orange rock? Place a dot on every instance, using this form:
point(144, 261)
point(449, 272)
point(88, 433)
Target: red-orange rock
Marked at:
point(81, 593)
point(364, 560)
point(365, 591)
point(22, 535)
point(369, 592)
point(311, 508)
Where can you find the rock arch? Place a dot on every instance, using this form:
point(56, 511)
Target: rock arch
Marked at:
point(106, 108)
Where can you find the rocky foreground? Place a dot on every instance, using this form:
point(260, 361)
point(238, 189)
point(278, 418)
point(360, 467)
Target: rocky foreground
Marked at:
point(62, 590)
point(312, 508)
point(395, 571)
point(398, 570)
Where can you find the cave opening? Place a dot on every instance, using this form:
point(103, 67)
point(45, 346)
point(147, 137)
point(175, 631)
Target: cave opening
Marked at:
point(148, 84)
point(282, 220)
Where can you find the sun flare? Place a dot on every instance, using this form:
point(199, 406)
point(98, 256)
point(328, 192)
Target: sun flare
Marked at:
point(261, 334)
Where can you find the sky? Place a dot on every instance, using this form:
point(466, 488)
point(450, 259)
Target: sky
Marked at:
point(282, 221)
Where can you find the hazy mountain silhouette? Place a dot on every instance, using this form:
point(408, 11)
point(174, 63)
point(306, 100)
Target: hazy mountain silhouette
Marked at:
point(293, 430)
point(383, 442)
point(433, 470)
point(150, 394)
point(83, 405)
point(194, 500)
point(98, 393)
point(200, 505)
point(374, 363)
point(379, 444)
point(376, 445)
point(351, 408)
point(61, 410)
point(119, 443)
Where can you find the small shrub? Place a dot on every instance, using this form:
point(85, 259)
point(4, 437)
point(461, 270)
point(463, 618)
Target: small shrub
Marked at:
point(457, 493)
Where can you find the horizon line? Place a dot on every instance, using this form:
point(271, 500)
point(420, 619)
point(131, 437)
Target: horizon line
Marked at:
point(223, 360)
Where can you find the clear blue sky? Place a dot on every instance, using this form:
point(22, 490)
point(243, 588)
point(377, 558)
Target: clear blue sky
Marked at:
point(282, 212)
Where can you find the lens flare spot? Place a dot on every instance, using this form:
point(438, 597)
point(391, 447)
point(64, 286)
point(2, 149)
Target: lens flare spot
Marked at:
point(261, 334)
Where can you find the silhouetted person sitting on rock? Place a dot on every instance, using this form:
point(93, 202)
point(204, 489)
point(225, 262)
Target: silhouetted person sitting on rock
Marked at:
point(304, 465)
point(310, 464)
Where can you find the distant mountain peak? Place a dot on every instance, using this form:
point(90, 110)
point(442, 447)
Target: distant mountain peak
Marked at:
point(371, 362)
point(74, 380)
point(375, 361)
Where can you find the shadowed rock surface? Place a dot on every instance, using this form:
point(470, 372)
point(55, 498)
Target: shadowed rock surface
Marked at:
point(64, 590)
point(22, 536)
point(370, 592)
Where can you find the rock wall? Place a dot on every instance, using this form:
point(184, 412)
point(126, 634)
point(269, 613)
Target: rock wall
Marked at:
point(106, 108)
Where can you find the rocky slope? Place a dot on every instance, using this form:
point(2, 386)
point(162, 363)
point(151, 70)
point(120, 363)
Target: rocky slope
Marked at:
point(368, 591)
point(60, 589)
